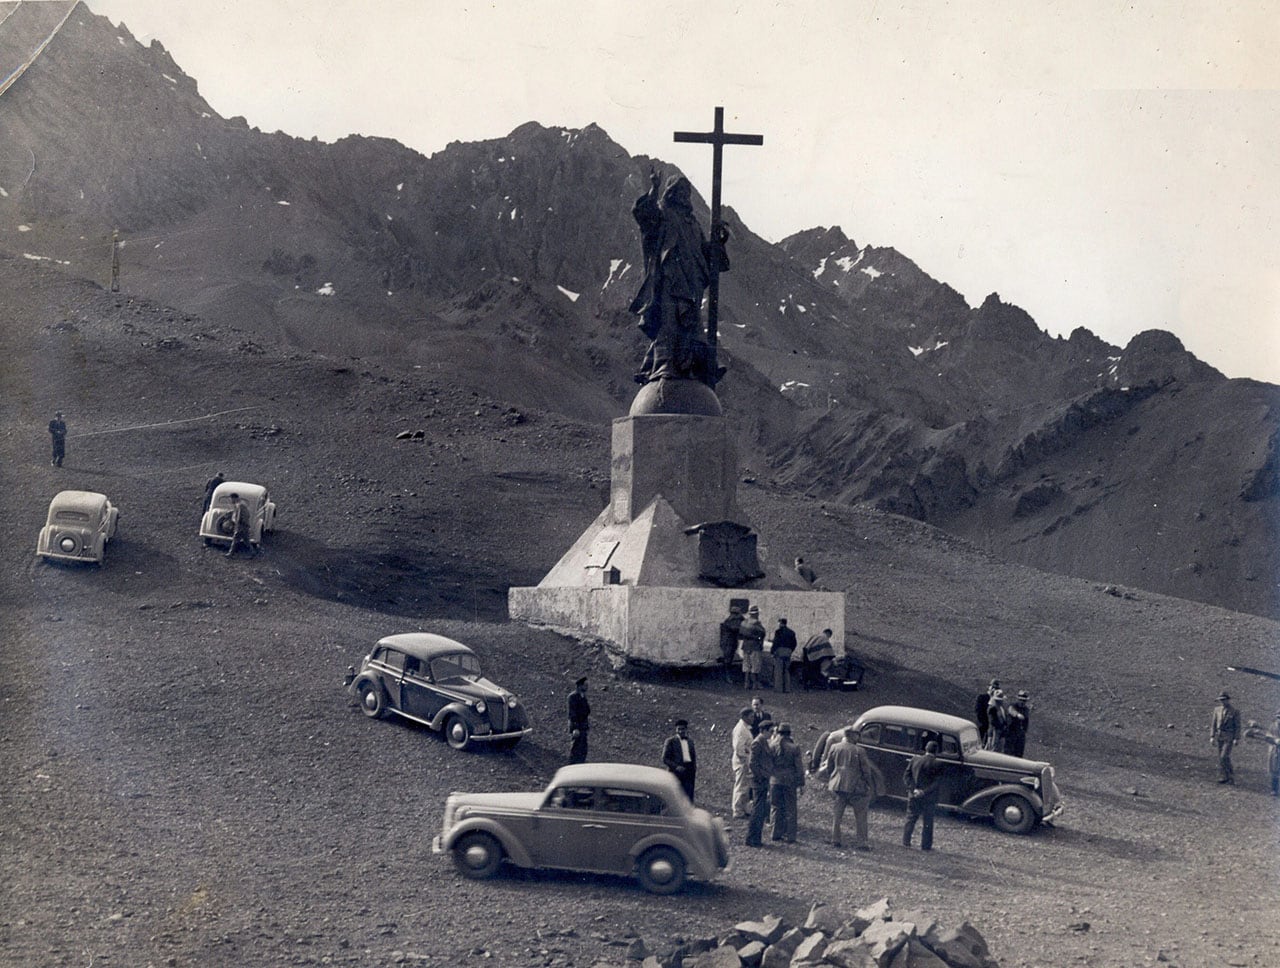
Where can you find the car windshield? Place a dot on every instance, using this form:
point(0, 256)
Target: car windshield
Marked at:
point(455, 665)
point(70, 517)
point(969, 740)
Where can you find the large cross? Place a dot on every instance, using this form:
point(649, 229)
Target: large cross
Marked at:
point(717, 138)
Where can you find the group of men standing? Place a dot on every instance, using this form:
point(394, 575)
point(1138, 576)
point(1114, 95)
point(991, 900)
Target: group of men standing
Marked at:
point(1225, 731)
point(746, 632)
point(1002, 723)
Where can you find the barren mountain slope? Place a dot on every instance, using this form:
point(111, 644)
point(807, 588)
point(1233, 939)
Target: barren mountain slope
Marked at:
point(183, 781)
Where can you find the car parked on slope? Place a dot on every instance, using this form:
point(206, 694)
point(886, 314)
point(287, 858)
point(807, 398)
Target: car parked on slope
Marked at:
point(78, 528)
point(1016, 793)
point(437, 682)
point(611, 818)
point(218, 523)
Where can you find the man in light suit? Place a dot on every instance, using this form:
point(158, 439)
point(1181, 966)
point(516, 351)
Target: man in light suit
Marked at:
point(740, 740)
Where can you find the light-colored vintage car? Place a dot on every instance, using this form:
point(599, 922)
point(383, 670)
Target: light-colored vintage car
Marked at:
point(79, 525)
point(218, 522)
point(609, 818)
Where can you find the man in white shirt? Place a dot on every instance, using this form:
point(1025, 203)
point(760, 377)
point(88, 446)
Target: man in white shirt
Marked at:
point(741, 742)
point(679, 756)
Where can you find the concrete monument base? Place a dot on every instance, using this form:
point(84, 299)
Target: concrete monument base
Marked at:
point(657, 571)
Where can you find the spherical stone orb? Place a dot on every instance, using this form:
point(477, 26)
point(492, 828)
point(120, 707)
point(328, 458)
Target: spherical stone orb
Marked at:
point(676, 396)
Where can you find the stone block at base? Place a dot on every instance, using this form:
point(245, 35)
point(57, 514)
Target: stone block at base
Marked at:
point(672, 626)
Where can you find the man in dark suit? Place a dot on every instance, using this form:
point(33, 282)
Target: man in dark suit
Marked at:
point(1224, 730)
point(679, 756)
point(981, 709)
point(579, 714)
point(922, 778)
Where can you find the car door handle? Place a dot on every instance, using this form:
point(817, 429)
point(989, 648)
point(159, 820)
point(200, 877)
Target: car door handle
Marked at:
point(594, 826)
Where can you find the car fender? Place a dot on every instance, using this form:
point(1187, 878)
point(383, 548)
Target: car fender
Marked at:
point(695, 858)
point(511, 845)
point(980, 803)
point(479, 724)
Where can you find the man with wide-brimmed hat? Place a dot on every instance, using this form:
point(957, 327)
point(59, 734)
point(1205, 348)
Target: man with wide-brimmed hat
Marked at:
point(752, 634)
point(1224, 730)
point(785, 785)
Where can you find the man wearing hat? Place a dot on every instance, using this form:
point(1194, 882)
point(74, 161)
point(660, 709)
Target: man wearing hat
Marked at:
point(752, 634)
point(729, 640)
point(1224, 729)
point(997, 723)
point(679, 756)
point(760, 763)
point(58, 435)
point(853, 783)
point(922, 777)
point(1015, 737)
point(579, 713)
point(785, 785)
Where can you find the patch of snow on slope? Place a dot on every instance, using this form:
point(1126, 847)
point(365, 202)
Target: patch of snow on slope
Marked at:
point(845, 263)
point(573, 296)
point(614, 273)
point(872, 271)
point(821, 267)
point(326, 290)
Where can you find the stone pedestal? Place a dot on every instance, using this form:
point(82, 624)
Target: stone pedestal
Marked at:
point(633, 577)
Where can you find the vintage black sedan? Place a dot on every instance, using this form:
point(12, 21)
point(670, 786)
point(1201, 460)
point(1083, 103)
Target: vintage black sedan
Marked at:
point(437, 682)
point(1016, 793)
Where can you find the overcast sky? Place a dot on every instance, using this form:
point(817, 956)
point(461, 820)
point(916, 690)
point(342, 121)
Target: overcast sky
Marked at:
point(1113, 165)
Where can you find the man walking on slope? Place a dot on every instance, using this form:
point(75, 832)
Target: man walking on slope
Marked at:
point(1224, 729)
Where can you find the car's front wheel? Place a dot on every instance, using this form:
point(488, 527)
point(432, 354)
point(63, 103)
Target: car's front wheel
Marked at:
point(1013, 814)
point(661, 870)
point(372, 701)
point(477, 855)
point(457, 732)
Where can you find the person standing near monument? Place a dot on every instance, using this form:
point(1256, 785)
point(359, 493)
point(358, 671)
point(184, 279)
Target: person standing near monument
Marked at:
point(579, 721)
point(816, 657)
point(1224, 730)
point(853, 783)
point(752, 634)
point(680, 758)
point(740, 741)
point(729, 640)
point(922, 778)
point(678, 262)
point(760, 763)
point(785, 785)
point(784, 645)
point(58, 437)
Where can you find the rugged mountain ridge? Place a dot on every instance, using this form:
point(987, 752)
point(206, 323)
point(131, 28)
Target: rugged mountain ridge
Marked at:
point(854, 375)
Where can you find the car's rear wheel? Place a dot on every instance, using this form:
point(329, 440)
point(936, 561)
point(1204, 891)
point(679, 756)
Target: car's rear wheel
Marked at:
point(661, 870)
point(457, 732)
point(477, 855)
point(225, 524)
point(1013, 814)
point(373, 703)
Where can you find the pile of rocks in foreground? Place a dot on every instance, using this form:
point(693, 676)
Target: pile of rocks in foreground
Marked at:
point(874, 937)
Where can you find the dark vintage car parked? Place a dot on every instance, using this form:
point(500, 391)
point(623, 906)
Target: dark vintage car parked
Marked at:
point(611, 818)
point(437, 682)
point(1018, 794)
point(79, 527)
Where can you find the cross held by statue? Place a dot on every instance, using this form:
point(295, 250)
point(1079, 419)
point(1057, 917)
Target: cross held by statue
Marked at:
point(717, 138)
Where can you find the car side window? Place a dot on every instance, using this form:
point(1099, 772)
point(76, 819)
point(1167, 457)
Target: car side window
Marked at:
point(394, 659)
point(573, 798)
point(948, 745)
point(870, 735)
point(895, 737)
point(614, 800)
point(412, 667)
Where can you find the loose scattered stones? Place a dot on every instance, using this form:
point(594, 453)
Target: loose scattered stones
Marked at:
point(873, 937)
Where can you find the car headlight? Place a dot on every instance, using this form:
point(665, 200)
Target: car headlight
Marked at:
point(480, 706)
point(513, 702)
point(1031, 781)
